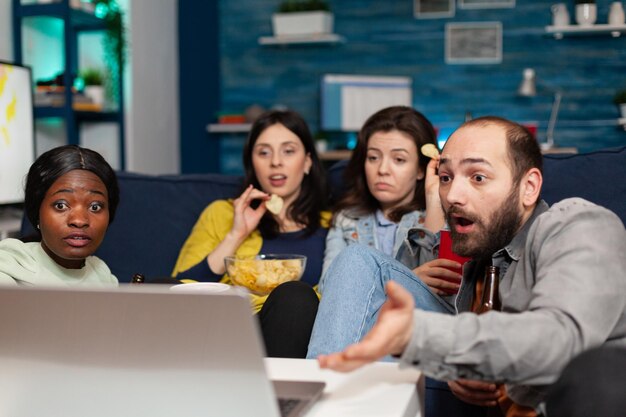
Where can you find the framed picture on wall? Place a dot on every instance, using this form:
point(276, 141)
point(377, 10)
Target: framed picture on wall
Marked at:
point(486, 4)
point(474, 43)
point(433, 9)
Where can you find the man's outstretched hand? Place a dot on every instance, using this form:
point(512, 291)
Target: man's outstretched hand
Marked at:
point(389, 336)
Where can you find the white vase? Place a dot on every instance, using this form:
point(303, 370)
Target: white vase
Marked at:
point(95, 93)
point(586, 14)
point(616, 13)
point(302, 23)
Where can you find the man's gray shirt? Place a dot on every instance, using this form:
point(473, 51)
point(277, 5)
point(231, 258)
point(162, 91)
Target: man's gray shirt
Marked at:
point(563, 290)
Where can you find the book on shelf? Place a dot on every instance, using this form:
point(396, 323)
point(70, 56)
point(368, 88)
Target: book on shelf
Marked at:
point(87, 107)
point(53, 89)
point(55, 97)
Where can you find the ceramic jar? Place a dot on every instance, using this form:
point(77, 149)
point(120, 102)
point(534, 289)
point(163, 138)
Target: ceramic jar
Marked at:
point(560, 15)
point(616, 13)
point(586, 14)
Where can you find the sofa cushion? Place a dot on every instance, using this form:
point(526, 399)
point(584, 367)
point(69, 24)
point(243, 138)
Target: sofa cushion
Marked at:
point(155, 216)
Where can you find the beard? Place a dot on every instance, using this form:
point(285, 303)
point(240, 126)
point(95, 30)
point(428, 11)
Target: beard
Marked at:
point(489, 236)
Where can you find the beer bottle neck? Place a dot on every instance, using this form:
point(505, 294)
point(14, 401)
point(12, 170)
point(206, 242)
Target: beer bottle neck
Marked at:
point(138, 279)
point(490, 299)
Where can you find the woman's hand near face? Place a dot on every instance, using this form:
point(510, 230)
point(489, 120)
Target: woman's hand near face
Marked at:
point(434, 212)
point(245, 221)
point(439, 278)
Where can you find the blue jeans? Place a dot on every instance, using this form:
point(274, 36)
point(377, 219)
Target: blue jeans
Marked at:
point(354, 292)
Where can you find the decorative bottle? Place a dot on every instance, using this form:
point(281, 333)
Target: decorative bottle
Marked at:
point(616, 14)
point(490, 299)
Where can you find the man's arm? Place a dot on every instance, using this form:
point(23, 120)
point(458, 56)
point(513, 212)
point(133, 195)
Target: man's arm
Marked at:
point(574, 266)
point(578, 296)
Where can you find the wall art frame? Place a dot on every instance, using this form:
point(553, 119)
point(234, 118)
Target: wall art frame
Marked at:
point(473, 43)
point(433, 9)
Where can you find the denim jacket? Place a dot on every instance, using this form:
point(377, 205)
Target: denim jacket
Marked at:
point(413, 244)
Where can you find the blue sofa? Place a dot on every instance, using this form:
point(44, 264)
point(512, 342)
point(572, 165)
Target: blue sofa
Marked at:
point(156, 213)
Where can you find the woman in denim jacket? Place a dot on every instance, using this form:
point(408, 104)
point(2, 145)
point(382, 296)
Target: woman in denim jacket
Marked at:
point(391, 213)
point(388, 220)
point(390, 186)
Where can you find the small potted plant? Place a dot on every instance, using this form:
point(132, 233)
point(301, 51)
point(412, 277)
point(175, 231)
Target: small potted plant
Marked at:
point(94, 87)
point(620, 100)
point(302, 18)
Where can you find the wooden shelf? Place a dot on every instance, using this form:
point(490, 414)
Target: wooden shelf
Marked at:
point(600, 29)
point(329, 38)
point(97, 116)
point(43, 112)
point(337, 155)
point(228, 127)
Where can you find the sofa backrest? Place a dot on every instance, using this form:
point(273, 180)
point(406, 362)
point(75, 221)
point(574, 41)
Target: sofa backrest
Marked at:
point(155, 216)
point(156, 213)
point(599, 177)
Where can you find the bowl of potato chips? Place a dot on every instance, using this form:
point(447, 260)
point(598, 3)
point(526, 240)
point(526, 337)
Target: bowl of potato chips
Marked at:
point(262, 273)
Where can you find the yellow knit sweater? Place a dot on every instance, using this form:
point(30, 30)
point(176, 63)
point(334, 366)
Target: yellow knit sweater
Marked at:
point(211, 228)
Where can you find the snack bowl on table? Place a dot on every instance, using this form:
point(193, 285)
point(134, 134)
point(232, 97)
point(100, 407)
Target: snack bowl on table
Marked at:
point(260, 274)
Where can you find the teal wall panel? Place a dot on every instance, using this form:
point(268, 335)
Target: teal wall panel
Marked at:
point(383, 38)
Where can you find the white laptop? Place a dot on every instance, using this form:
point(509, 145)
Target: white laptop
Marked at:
point(136, 351)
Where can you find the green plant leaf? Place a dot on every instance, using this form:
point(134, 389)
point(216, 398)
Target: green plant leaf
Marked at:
point(114, 44)
point(92, 76)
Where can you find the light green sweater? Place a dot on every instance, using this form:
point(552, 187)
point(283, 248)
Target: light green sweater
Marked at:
point(28, 264)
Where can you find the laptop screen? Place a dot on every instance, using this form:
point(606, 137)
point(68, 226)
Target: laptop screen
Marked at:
point(136, 350)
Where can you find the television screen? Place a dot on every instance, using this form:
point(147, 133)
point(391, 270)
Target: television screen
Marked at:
point(17, 149)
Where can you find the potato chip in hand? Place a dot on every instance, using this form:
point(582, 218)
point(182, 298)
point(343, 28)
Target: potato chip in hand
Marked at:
point(429, 150)
point(274, 204)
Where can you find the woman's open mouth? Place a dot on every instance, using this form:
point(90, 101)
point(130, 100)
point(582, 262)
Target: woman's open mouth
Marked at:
point(77, 240)
point(278, 180)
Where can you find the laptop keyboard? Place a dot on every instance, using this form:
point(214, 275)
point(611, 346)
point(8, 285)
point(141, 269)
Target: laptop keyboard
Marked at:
point(286, 405)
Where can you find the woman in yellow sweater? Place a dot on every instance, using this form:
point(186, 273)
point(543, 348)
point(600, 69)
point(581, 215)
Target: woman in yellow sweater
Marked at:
point(279, 158)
